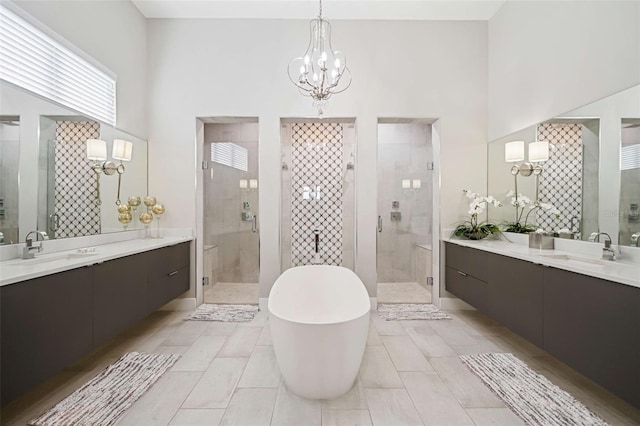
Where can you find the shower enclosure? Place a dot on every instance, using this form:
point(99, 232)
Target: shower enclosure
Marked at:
point(318, 192)
point(404, 211)
point(231, 213)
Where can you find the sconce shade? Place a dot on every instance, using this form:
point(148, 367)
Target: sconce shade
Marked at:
point(122, 150)
point(416, 184)
point(538, 151)
point(514, 151)
point(244, 184)
point(253, 183)
point(406, 183)
point(96, 149)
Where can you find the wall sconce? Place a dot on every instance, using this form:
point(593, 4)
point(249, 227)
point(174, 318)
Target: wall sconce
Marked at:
point(417, 184)
point(253, 183)
point(244, 184)
point(97, 152)
point(406, 183)
point(538, 153)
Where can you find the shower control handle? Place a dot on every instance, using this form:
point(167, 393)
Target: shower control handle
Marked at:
point(379, 223)
point(54, 222)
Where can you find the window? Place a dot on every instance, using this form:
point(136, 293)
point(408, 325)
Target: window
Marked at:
point(230, 154)
point(37, 62)
point(630, 157)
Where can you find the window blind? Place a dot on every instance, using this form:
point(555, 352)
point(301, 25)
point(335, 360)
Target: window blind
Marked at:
point(35, 61)
point(630, 157)
point(230, 154)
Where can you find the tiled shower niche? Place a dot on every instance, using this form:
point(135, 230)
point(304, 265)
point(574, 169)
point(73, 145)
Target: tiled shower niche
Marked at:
point(317, 193)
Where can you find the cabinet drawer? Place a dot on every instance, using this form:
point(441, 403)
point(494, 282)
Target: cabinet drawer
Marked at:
point(470, 261)
point(168, 259)
point(46, 325)
point(515, 296)
point(592, 325)
point(161, 290)
point(119, 295)
point(468, 288)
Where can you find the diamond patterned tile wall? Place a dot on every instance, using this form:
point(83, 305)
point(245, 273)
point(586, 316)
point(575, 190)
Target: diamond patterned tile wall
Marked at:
point(316, 192)
point(75, 181)
point(561, 180)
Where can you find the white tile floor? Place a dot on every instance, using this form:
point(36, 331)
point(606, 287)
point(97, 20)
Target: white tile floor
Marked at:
point(410, 375)
point(232, 293)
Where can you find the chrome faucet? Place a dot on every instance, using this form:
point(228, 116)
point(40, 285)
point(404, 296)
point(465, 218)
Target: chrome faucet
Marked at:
point(27, 250)
point(607, 251)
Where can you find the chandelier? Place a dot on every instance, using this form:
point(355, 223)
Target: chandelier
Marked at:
point(319, 72)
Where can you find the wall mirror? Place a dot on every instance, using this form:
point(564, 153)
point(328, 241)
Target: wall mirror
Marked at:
point(630, 182)
point(581, 183)
point(59, 191)
point(9, 156)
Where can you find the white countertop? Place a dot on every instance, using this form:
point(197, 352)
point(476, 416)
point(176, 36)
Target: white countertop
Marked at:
point(621, 271)
point(16, 270)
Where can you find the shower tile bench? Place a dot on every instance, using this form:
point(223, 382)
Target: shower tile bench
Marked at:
point(590, 323)
point(50, 321)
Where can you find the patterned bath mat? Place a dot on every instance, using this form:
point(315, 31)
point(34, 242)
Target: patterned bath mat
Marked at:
point(530, 395)
point(410, 311)
point(103, 399)
point(226, 313)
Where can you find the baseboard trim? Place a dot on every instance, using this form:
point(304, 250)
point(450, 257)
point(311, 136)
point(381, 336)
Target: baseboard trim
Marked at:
point(263, 303)
point(455, 304)
point(374, 303)
point(182, 304)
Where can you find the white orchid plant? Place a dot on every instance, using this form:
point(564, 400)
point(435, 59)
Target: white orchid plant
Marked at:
point(471, 228)
point(521, 202)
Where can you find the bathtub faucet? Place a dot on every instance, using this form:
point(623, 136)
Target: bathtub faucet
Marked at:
point(316, 232)
point(316, 239)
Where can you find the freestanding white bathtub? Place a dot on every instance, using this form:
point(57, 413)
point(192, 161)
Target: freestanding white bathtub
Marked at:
point(319, 319)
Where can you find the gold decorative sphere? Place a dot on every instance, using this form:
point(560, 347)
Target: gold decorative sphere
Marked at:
point(124, 208)
point(146, 218)
point(149, 201)
point(134, 201)
point(158, 209)
point(125, 218)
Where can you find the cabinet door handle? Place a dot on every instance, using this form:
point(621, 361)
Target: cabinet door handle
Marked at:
point(462, 273)
point(379, 223)
point(173, 273)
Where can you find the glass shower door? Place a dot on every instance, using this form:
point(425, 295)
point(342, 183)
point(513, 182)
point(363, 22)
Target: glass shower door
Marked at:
point(404, 212)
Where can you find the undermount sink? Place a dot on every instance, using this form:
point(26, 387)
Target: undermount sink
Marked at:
point(581, 260)
point(50, 258)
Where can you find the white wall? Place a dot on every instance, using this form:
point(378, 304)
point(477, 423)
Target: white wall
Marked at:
point(238, 68)
point(114, 33)
point(548, 57)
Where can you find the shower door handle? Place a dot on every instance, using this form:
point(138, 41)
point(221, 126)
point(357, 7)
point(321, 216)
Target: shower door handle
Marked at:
point(379, 223)
point(54, 222)
point(254, 226)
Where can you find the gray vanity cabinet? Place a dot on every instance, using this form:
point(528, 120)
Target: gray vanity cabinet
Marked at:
point(46, 325)
point(119, 295)
point(515, 295)
point(50, 322)
point(466, 275)
point(592, 325)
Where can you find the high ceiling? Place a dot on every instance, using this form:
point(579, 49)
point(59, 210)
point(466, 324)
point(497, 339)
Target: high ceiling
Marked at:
point(332, 9)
